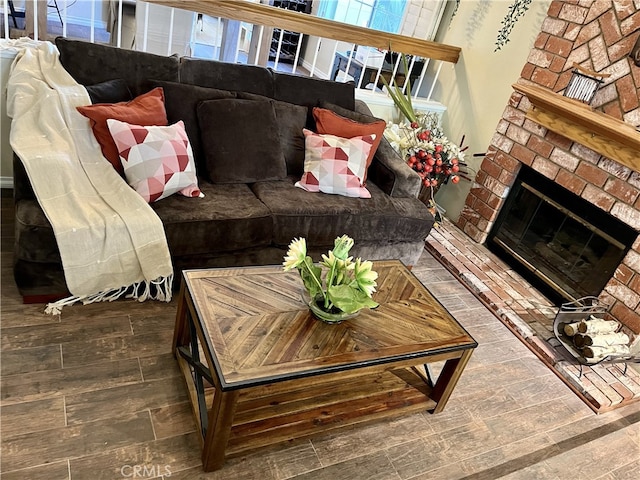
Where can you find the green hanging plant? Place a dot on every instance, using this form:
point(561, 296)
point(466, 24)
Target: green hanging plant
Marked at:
point(516, 10)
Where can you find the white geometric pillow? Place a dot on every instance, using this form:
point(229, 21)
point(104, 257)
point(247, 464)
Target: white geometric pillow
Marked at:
point(335, 165)
point(157, 161)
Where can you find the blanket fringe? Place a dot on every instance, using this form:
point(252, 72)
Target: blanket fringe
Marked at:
point(160, 289)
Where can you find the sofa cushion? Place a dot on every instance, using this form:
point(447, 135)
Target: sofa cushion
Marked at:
point(226, 76)
point(90, 63)
point(349, 124)
point(228, 218)
point(311, 91)
point(111, 91)
point(157, 161)
point(239, 143)
point(290, 120)
point(335, 165)
point(146, 109)
point(181, 103)
point(322, 218)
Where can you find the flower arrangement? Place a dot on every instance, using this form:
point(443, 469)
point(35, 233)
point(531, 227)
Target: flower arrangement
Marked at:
point(423, 143)
point(428, 151)
point(345, 286)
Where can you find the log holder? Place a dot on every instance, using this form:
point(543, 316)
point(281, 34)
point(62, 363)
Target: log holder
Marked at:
point(580, 309)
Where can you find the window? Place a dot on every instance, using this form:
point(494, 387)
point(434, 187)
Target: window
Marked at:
point(387, 15)
point(384, 15)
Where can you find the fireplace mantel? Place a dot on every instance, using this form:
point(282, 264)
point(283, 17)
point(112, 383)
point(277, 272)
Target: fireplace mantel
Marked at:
point(579, 122)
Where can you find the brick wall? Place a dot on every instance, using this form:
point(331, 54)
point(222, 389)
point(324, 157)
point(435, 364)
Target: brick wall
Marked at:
point(598, 35)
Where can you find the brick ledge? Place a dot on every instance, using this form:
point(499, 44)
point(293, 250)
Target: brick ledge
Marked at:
point(528, 315)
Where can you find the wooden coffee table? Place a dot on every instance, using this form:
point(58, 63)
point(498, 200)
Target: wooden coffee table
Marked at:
point(261, 370)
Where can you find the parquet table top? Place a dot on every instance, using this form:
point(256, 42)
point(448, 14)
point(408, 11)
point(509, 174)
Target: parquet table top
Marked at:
point(260, 329)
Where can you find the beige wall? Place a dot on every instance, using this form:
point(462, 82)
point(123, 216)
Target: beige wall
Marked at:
point(477, 88)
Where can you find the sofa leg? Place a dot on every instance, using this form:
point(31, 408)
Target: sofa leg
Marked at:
point(45, 298)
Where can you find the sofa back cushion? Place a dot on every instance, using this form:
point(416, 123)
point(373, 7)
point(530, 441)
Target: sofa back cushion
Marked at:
point(181, 103)
point(311, 91)
point(91, 63)
point(111, 91)
point(226, 76)
point(290, 121)
point(241, 144)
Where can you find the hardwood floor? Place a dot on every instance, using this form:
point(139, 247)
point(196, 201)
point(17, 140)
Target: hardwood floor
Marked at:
point(96, 394)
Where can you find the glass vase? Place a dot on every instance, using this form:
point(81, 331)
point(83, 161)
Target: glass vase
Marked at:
point(316, 307)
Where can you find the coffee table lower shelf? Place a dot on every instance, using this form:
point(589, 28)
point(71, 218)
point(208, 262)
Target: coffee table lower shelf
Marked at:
point(277, 413)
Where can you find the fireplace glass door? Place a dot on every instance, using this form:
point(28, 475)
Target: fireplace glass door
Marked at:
point(557, 239)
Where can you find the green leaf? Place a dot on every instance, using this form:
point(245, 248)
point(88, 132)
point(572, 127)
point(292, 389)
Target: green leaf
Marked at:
point(402, 102)
point(349, 299)
point(311, 277)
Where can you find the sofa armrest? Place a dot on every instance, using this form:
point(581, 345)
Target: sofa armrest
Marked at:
point(388, 170)
point(22, 189)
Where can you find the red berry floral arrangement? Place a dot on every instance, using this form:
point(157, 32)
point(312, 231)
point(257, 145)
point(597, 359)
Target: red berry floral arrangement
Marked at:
point(428, 151)
point(423, 143)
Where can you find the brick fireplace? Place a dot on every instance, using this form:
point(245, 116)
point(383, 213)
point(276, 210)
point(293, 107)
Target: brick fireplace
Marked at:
point(598, 35)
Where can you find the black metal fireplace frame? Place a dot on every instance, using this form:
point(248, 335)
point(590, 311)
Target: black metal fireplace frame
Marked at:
point(577, 208)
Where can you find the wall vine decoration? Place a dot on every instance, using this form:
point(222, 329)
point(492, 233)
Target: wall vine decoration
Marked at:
point(516, 10)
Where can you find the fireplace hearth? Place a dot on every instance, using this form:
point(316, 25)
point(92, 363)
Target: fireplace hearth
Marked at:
point(565, 246)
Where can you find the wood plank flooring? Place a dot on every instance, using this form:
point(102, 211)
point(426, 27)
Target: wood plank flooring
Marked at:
point(96, 394)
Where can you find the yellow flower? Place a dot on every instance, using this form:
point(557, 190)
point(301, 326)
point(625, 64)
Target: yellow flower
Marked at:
point(332, 260)
point(328, 261)
point(296, 254)
point(365, 276)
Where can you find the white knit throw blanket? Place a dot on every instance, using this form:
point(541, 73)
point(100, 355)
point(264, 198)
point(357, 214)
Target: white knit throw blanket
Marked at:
point(110, 240)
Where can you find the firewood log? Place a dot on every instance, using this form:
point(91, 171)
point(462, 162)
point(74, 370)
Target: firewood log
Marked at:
point(604, 339)
point(570, 329)
point(595, 325)
point(579, 340)
point(601, 352)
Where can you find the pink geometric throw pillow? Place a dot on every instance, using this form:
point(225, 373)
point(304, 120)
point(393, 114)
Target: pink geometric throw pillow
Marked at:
point(335, 165)
point(157, 161)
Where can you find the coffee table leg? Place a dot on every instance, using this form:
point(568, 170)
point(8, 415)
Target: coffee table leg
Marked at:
point(219, 429)
point(448, 379)
point(181, 330)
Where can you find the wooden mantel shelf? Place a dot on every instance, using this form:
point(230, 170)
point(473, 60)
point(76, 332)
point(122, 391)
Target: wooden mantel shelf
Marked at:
point(579, 122)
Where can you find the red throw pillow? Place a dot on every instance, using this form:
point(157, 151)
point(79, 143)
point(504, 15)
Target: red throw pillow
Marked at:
point(146, 109)
point(329, 122)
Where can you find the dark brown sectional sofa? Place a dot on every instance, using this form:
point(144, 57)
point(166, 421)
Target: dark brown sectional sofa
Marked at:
point(235, 224)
